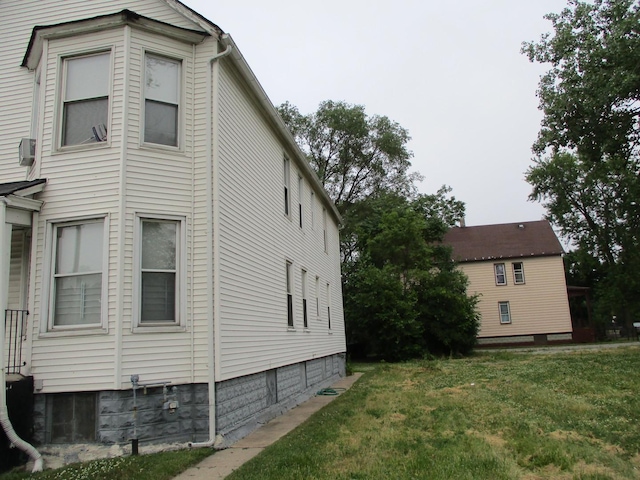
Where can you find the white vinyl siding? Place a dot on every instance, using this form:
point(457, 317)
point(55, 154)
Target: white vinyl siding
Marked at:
point(529, 315)
point(255, 237)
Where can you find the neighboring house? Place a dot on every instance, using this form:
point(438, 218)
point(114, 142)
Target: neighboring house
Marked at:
point(161, 228)
point(517, 270)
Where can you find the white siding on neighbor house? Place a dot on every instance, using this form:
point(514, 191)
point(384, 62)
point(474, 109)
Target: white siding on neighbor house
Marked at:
point(256, 239)
point(19, 18)
point(538, 306)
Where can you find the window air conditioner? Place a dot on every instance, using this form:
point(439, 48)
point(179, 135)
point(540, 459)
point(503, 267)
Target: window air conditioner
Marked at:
point(27, 151)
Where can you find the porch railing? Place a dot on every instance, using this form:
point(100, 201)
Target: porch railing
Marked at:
point(15, 333)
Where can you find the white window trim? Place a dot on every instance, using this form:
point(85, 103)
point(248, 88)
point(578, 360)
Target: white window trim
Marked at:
point(181, 276)
point(181, 106)
point(47, 328)
point(59, 104)
point(289, 288)
point(304, 285)
point(504, 273)
point(286, 181)
point(300, 201)
point(508, 312)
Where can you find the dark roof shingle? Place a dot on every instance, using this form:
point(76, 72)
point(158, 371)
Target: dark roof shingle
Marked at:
point(13, 187)
point(506, 240)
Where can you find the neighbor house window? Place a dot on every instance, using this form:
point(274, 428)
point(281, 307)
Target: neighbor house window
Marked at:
point(85, 100)
point(501, 276)
point(518, 273)
point(305, 317)
point(286, 166)
point(162, 100)
point(159, 271)
point(300, 192)
point(289, 281)
point(78, 264)
point(71, 417)
point(505, 312)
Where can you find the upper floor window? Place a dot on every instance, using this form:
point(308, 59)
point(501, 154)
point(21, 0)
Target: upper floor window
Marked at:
point(300, 193)
point(286, 166)
point(325, 240)
point(289, 285)
point(77, 280)
point(501, 276)
point(161, 100)
point(518, 273)
point(85, 99)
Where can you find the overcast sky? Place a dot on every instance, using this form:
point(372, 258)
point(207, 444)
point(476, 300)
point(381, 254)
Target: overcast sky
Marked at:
point(450, 72)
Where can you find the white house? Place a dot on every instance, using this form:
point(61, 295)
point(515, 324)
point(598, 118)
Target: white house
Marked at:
point(159, 229)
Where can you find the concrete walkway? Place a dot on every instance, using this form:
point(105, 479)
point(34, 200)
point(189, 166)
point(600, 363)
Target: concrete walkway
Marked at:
point(222, 463)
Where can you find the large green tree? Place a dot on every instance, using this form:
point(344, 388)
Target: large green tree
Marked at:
point(355, 155)
point(587, 165)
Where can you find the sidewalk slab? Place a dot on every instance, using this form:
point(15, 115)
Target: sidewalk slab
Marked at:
point(223, 462)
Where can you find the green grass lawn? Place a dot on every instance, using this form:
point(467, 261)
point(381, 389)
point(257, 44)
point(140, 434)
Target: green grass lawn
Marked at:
point(493, 416)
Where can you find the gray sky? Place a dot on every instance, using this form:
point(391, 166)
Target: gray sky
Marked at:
point(449, 72)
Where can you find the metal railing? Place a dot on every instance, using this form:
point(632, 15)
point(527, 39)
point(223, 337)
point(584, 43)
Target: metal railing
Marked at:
point(15, 333)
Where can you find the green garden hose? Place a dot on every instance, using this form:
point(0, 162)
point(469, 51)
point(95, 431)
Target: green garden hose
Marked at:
point(331, 391)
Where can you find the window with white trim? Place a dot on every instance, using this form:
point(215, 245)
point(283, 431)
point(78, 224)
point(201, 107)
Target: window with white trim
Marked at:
point(324, 230)
point(289, 285)
point(286, 175)
point(305, 316)
point(312, 202)
point(329, 306)
point(300, 193)
point(77, 291)
point(159, 271)
point(505, 312)
point(161, 100)
point(85, 99)
point(501, 274)
point(518, 273)
point(317, 296)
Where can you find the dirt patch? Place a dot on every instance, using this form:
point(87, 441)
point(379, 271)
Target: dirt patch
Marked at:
point(494, 440)
point(397, 417)
point(549, 471)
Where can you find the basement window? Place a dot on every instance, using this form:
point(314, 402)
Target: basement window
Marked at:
point(71, 417)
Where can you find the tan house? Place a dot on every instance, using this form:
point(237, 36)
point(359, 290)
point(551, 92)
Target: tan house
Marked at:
point(517, 270)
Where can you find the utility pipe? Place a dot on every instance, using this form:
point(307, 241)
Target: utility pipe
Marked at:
point(5, 245)
point(210, 236)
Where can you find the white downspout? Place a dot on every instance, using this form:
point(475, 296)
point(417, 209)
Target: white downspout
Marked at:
point(5, 246)
point(210, 236)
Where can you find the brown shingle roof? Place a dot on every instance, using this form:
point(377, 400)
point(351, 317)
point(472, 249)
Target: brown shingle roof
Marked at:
point(505, 240)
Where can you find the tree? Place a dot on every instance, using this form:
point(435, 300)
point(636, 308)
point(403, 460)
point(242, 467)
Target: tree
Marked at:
point(587, 165)
point(403, 293)
point(355, 155)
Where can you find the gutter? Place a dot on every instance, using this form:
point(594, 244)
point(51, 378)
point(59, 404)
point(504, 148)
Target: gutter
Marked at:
point(4, 413)
point(211, 316)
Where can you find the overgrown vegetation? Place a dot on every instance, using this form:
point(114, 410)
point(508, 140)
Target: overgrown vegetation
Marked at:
point(404, 297)
point(490, 416)
point(159, 466)
point(587, 165)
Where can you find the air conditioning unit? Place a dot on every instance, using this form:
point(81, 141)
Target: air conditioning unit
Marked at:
point(27, 152)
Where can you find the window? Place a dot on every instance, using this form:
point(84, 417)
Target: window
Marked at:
point(505, 312)
point(328, 306)
point(518, 273)
point(501, 276)
point(289, 296)
point(324, 229)
point(317, 296)
point(85, 99)
point(71, 417)
point(159, 267)
point(162, 100)
point(286, 176)
point(312, 202)
point(78, 263)
point(300, 192)
point(305, 318)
